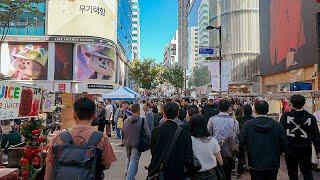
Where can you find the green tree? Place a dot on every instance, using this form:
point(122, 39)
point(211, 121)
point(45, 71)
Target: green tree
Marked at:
point(200, 76)
point(175, 76)
point(11, 10)
point(144, 73)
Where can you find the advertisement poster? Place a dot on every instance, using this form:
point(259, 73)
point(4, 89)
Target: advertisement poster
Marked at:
point(68, 18)
point(215, 75)
point(288, 35)
point(19, 101)
point(48, 100)
point(95, 62)
point(63, 61)
point(25, 61)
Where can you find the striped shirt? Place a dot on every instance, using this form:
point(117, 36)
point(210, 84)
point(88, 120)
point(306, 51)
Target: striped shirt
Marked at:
point(223, 126)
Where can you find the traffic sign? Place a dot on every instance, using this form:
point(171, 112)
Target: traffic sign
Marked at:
point(206, 51)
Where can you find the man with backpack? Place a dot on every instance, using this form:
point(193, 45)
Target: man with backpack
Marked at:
point(264, 140)
point(131, 132)
point(81, 153)
point(302, 131)
point(171, 148)
point(226, 130)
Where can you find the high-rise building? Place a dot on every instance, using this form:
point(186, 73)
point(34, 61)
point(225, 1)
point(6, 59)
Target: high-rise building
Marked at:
point(193, 34)
point(203, 23)
point(183, 7)
point(193, 52)
point(239, 20)
point(135, 29)
point(124, 28)
point(171, 52)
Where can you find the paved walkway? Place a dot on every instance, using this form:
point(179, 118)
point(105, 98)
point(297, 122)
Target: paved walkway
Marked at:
point(116, 172)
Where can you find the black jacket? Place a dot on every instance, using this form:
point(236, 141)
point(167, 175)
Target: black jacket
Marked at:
point(210, 110)
point(182, 155)
point(301, 129)
point(264, 140)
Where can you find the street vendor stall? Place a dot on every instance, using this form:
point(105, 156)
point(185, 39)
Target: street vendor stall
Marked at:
point(19, 116)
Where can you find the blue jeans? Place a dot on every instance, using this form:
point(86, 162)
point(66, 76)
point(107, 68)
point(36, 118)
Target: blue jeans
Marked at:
point(118, 131)
point(133, 162)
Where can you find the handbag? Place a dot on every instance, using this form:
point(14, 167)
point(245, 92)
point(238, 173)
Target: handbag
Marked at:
point(144, 139)
point(229, 147)
point(196, 164)
point(165, 157)
point(220, 173)
point(120, 123)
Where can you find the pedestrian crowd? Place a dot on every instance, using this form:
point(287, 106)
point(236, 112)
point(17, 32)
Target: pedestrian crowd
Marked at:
point(208, 140)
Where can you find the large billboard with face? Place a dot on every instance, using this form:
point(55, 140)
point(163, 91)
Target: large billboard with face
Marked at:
point(95, 62)
point(25, 61)
point(83, 18)
point(288, 35)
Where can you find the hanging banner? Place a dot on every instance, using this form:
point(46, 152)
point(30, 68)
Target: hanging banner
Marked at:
point(19, 101)
point(214, 69)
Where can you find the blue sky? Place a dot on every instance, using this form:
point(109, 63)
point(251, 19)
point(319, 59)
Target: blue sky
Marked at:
point(159, 21)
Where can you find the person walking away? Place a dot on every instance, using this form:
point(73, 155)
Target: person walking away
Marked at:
point(101, 116)
point(149, 116)
point(158, 115)
point(120, 115)
point(184, 108)
point(247, 116)
point(226, 130)
point(78, 137)
point(302, 131)
point(210, 109)
point(205, 148)
point(109, 115)
point(181, 155)
point(131, 133)
point(192, 110)
point(264, 140)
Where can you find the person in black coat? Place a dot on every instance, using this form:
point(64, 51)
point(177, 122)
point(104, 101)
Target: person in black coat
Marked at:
point(210, 109)
point(182, 154)
point(264, 140)
point(302, 131)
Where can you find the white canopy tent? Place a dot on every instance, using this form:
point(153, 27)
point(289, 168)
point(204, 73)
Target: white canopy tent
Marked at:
point(121, 94)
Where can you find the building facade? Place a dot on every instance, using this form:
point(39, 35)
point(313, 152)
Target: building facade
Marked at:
point(203, 23)
point(239, 21)
point(135, 29)
point(171, 52)
point(183, 7)
point(57, 51)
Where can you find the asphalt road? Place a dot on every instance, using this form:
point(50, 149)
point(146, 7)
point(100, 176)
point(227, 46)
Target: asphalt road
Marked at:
point(116, 172)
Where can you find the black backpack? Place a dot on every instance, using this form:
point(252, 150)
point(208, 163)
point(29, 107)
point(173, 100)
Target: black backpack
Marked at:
point(81, 162)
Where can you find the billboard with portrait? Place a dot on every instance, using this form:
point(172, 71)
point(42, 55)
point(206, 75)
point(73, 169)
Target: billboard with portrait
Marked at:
point(83, 18)
point(25, 61)
point(288, 35)
point(63, 61)
point(95, 62)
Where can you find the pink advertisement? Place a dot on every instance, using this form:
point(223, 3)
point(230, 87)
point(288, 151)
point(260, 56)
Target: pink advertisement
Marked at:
point(95, 62)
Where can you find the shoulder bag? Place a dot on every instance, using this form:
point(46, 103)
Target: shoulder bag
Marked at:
point(159, 175)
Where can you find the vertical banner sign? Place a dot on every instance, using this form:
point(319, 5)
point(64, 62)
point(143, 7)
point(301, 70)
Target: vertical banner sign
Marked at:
point(215, 75)
point(225, 75)
point(215, 79)
point(19, 101)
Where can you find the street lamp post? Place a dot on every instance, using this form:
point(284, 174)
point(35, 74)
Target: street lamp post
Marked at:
point(220, 54)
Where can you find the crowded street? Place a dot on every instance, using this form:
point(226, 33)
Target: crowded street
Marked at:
point(159, 89)
point(117, 173)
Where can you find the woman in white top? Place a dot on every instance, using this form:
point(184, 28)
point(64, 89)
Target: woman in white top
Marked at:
point(205, 148)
